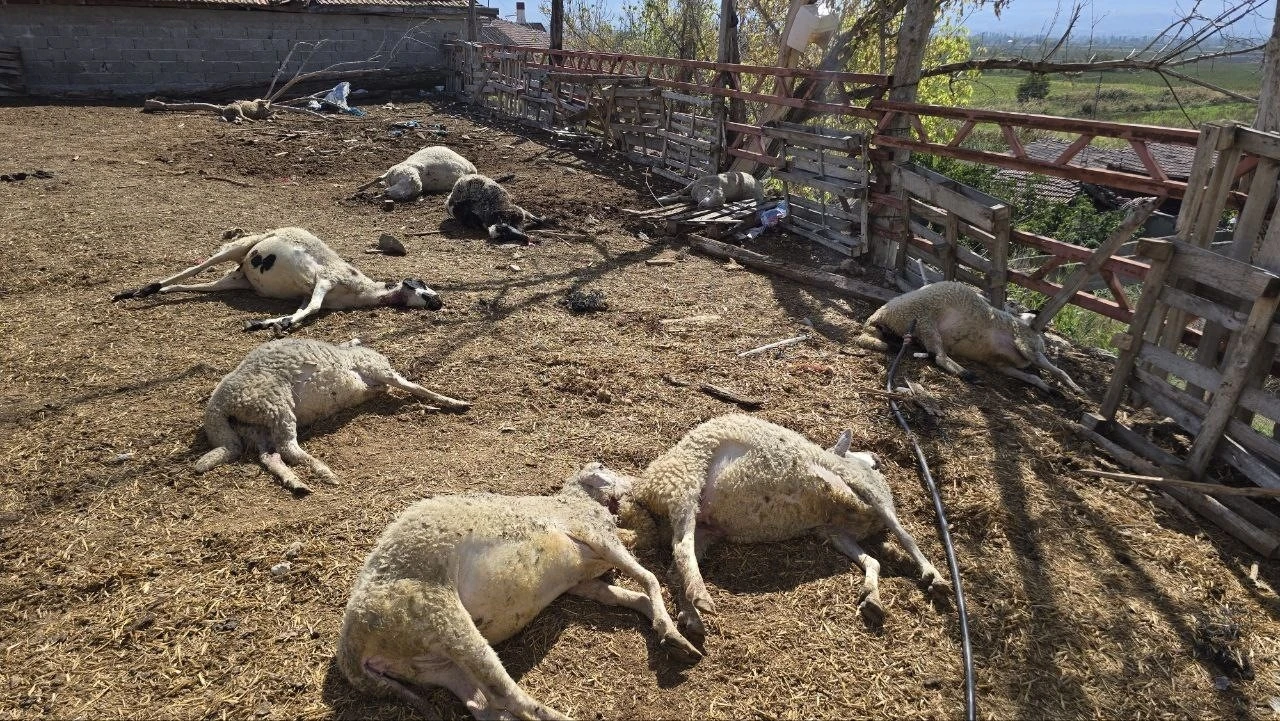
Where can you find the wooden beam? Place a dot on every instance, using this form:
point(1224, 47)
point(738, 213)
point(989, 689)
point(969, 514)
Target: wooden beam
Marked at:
point(1212, 489)
point(1136, 213)
point(820, 279)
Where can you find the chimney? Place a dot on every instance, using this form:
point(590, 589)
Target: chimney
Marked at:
point(520, 13)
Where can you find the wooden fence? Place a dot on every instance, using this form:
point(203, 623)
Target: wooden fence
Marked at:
point(1202, 340)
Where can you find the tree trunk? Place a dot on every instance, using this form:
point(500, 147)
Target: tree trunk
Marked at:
point(557, 25)
point(913, 38)
point(1269, 95)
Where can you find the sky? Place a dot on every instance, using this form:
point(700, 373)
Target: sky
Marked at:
point(1026, 17)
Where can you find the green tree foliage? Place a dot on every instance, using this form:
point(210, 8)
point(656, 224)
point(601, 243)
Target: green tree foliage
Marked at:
point(1033, 87)
point(689, 28)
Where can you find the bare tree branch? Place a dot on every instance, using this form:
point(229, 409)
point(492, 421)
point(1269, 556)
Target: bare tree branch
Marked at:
point(1044, 66)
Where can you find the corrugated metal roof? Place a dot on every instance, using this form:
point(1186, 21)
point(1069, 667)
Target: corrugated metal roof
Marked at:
point(505, 32)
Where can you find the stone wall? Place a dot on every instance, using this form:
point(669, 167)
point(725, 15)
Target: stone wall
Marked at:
point(115, 51)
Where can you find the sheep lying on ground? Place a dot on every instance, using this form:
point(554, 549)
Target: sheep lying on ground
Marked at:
point(293, 263)
point(714, 191)
point(431, 170)
point(454, 574)
point(952, 318)
point(283, 384)
point(480, 202)
point(741, 478)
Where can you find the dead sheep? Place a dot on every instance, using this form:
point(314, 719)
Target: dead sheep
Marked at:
point(293, 263)
point(454, 574)
point(952, 318)
point(746, 480)
point(479, 201)
point(291, 382)
point(431, 170)
point(714, 191)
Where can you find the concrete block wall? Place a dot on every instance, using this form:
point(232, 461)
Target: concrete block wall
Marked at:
point(105, 52)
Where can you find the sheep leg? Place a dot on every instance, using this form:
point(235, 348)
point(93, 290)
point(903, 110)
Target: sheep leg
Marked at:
point(286, 322)
point(869, 598)
point(235, 250)
point(935, 582)
point(235, 280)
point(931, 339)
point(693, 590)
point(1058, 373)
point(285, 437)
point(399, 381)
point(703, 537)
point(1028, 378)
point(841, 490)
point(272, 461)
point(456, 680)
point(466, 647)
point(224, 439)
point(871, 341)
point(615, 553)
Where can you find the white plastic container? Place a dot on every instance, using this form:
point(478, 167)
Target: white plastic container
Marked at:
point(814, 23)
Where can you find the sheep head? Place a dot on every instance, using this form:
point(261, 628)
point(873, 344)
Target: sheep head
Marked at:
point(602, 484)
point(413, 293)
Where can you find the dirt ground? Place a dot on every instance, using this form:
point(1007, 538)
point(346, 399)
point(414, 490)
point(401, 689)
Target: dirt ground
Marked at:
point(132, 587)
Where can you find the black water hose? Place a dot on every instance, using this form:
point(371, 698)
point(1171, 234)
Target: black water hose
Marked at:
point(970, 690)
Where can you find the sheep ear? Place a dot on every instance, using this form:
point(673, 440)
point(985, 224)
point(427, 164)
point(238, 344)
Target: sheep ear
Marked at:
point(842, 443)
point(598, 477)
point(866, 457)
point(1026, 318)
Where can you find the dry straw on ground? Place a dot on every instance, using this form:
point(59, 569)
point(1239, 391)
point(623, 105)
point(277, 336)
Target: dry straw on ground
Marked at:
point(132, 587)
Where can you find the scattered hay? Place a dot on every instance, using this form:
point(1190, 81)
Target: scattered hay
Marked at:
point(136, 588)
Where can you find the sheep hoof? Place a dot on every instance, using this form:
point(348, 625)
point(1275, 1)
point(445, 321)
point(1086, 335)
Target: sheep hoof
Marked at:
point(935, 584)
point(278, 326)
point(505, 233)
point(144, 291)
point(680, 646)
point(969, 377)
point(691, 627)
point(704, 604)
point(871, 610)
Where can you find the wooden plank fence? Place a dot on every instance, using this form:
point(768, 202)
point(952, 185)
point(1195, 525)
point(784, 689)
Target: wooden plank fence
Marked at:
point(1202, 340)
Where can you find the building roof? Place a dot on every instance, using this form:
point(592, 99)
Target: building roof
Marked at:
point(1175, 160)
point(451, 7)
point(505, 32)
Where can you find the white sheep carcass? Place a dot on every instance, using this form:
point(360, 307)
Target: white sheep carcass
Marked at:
point(951, 318)
point(743, 479)
point(291, 382)
point(454, 574)
point(713, 191)
point(433, 169)
point(480, 202)
point(293, 263)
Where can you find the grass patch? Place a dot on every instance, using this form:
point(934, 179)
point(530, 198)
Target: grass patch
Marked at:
point(1132, 97)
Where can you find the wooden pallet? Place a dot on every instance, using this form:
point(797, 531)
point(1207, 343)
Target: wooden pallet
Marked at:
point(12, 82)
point(716, 222)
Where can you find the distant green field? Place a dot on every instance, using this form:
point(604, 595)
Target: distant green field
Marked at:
point(1134, 97)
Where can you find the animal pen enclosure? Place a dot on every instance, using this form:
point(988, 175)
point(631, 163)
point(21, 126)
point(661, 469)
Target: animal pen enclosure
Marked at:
point(136, 587)
point(674, 116)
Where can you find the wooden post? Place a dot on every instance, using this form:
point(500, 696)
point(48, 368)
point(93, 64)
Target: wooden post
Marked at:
point(1240, 354)
point(557, 28)
point(998, 277)
point(1161, 254)
point(1136, 213)
point(1268, 117)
